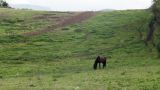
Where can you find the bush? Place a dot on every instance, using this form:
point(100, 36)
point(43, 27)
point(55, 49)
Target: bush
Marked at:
point(78, 30)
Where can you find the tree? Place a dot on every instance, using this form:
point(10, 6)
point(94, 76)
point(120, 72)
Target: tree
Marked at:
point(155, 19)
point(154, 25)
point(4, 4)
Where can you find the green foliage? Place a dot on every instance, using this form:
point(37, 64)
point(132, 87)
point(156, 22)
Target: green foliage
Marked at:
point(4, 4)
point(156, 6)
point(156, 10)
point(156, 23)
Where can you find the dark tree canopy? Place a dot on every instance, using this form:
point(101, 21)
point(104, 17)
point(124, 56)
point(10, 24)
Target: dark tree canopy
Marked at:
point(4, 4)
point(156, 9)
point(155, 20)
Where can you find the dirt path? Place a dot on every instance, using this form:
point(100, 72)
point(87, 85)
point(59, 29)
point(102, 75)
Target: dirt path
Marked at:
point(77, 18)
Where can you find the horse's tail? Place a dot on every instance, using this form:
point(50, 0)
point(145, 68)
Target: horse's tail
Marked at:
point(95, 65)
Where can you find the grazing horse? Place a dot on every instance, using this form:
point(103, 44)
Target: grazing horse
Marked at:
point(100, 60)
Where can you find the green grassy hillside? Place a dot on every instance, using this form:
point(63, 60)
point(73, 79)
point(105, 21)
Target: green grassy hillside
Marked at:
point(63, 59)
point(16, 22)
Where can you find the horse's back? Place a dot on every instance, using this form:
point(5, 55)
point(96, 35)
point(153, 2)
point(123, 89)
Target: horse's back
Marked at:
point(101, 59)
point(104, 58)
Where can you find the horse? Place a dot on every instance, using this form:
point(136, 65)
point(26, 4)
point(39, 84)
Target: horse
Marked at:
point(100, 60)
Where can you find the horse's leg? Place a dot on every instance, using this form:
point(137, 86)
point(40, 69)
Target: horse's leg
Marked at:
point(104, 64)
point(100, 65)
point(95, 65)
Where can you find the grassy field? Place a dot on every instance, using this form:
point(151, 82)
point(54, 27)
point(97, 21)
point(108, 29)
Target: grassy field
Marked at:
point(63, 59)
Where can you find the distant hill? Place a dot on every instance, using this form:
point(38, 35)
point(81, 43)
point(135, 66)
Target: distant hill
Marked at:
point(107, 10)
point(28, 6)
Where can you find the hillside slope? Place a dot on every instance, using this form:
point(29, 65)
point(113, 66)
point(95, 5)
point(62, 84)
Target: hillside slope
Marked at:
point(63, 59)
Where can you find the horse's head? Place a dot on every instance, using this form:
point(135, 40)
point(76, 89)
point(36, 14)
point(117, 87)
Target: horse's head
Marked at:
point(95, 66)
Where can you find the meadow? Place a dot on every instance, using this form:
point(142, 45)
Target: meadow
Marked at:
point(63, 59)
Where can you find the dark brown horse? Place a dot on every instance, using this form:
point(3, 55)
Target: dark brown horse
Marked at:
point(100, 60)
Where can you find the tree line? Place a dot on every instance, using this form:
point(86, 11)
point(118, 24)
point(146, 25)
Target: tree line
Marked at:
point(4, 4)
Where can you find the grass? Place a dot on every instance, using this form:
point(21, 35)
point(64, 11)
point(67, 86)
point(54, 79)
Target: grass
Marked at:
point(22, 21)
point(63, 60)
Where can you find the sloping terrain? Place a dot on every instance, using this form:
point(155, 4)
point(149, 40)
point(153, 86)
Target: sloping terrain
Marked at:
point(63, 59)
point(19, 21)
point(77, 18)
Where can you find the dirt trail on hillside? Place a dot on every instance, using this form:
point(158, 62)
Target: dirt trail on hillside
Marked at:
point(77, 18)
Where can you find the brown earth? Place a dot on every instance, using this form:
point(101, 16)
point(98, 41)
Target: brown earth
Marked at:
point(75, 18)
